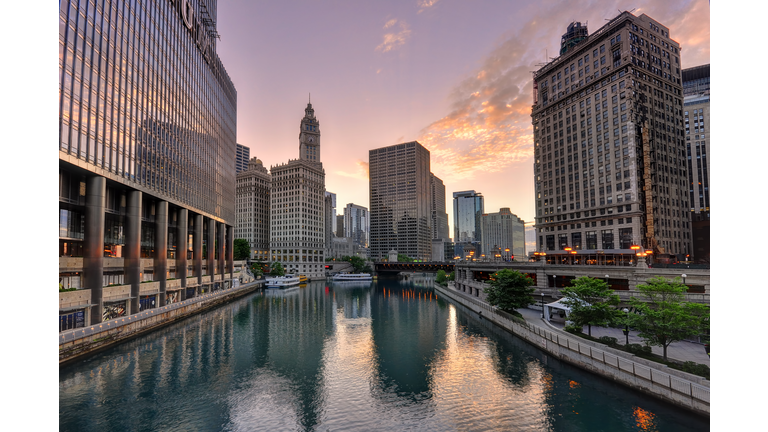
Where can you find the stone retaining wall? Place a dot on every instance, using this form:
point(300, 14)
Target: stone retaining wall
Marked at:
point(683, 389)
point(80, 342)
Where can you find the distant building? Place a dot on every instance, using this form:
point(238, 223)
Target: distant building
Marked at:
point(442, 250)
point(697, 138)
point(399, 181)
point(502, 231)
point(252, 208)
point(297, 230)
point(468, 209)
point(330, 219)
point(357, 224)
point(437, 208)
point(340, 226)
point(242, 158)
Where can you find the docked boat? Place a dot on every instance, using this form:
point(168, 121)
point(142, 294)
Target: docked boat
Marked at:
point(303, 279)
point(282, 281)
point(338, 277)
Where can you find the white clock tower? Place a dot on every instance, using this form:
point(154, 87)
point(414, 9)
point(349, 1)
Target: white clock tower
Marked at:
point(309, 136)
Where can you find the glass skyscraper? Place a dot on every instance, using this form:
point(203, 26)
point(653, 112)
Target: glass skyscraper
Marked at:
point(146, 146)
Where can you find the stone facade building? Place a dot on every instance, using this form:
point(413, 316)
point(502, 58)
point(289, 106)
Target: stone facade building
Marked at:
point(252, 208)
point(609, 144)
point(504, 235)
point(297, 227)
point(399, 181)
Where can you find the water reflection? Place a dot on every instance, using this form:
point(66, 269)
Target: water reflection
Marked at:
point(384, 356)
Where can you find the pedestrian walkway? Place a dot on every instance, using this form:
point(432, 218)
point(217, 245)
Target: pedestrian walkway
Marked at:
point(680, 351)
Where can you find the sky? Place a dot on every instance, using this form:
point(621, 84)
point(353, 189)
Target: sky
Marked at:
point(453, 75)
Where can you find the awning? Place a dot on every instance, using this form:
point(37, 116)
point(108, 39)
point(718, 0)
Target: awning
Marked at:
point(74, 308)
point(556, 305)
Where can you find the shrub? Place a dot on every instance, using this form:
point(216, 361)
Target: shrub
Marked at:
point(570, 328)
point(607, 340)
point(639, 349)
point(696, 369)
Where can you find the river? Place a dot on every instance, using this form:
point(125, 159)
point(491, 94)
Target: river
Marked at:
point(386, 356)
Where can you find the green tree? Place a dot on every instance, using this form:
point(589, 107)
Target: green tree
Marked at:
point(404, 258)
point(510, 290)
point(256, 269)
point(440, 278)
point(358, 264)
point(452, 276)
point(277, 270)
point(663, 316)
point(592, 302)
point(241, 249)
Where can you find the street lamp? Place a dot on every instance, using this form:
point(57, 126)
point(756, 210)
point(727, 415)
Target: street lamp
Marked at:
point(542, 304)
point(684, 276)
point(507, 253)
point(626, 325)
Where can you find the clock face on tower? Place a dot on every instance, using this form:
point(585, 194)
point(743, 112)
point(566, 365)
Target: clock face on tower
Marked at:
point(311, 139)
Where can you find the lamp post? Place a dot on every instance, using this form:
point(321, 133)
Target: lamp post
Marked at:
point(542, 305)
point(507, 254)
point(684, 276)
point(626, 325)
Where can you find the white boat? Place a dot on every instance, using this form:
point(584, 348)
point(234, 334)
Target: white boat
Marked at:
point(283, 281)
point(352, 277)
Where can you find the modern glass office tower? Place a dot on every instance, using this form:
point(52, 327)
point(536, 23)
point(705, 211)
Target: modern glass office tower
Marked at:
point(468, 209)
point(399, 181)
point(146, 146)
point(242, 158)
point(609, 144)
point(357, 224)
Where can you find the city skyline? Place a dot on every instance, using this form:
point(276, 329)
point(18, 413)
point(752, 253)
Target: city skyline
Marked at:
point(417, 70)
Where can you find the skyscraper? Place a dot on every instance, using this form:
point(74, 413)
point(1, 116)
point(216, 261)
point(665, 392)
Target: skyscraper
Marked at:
point(357, 224)
point(610, 167)
point(697, 138)
point(399, 179)
point(242, 158)
point(139, 177)
point(439, 218)
point(330, 220)
point(252, 208)
point(502, 231)
point(297, 228)
point(467, 209)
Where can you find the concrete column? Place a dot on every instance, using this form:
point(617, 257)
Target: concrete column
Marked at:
point(220, 231)
point(161, 249)
point(230, 251)
point(197, 249)
point(132, 251)
point(93, 243)
point(181, 247)
point(211, 244)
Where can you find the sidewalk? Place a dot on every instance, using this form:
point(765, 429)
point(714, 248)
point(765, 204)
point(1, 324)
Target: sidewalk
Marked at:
point(681, 351)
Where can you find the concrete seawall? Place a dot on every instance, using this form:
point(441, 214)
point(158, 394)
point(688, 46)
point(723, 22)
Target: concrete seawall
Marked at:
point(82, 342)
point(682, 389)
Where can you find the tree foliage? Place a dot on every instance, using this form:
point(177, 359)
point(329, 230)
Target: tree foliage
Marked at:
point(404, 258)
point(440, 278)
point(592, 302)
point(277, 270)
point(241, 249)
point(358, 264)
point(510, 290)
point(452, 276)
point(663, 316)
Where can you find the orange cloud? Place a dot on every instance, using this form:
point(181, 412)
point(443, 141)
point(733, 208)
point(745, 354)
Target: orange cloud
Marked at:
point(489, 126)
point(394, 40)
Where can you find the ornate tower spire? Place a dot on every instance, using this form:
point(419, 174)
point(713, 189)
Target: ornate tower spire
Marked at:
point(309, 135)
